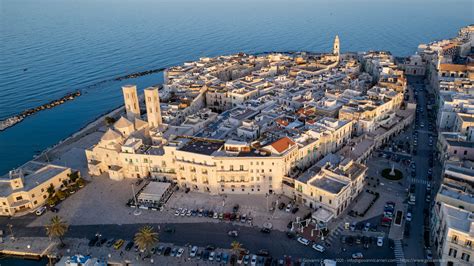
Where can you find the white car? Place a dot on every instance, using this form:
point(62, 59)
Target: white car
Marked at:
point(180, 252)
point(288, 208)
point(408, 217)
point(40, 210)
point(253, 261)
point(380, 241)
point(178, 211)
point(303, 241)
point(184, 211)
point(193, 252)
point(211, 256)
point(318, 248)
point(357, 255)
point(189, 213)
point(215, 216)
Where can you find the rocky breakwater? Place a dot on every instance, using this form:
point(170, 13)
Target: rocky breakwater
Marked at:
point(13, 120)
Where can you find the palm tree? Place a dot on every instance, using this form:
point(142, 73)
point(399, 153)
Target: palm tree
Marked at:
point(236, 247)
point(57, 228)
point(146, 238)
point(51, 189)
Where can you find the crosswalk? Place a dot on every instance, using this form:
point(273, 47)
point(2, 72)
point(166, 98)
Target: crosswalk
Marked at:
point(399, 255)
point(334, 234)
point(419, 181)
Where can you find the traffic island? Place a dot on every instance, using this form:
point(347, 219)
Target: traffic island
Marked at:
point(392, 174)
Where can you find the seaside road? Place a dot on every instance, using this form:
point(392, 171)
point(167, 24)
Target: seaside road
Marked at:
point(203, 234)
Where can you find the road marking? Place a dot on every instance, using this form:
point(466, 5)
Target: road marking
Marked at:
point(420, 181)
point(399, 255)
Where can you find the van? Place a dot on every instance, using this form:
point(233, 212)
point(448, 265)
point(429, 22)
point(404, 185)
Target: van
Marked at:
point(40, 210)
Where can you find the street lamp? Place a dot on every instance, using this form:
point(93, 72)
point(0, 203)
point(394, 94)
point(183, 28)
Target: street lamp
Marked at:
point(137, 211)
point(10, 227)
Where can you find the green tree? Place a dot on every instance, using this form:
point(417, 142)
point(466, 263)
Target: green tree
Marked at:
point(73, 176)
point(80, 182)
point(109, 120)
point(146, 238)
point(60, 194)
point(51, 189)
point(57, 228)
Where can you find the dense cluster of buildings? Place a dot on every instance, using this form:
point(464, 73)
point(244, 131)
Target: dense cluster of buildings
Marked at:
point(300, 124)
point(449, 66)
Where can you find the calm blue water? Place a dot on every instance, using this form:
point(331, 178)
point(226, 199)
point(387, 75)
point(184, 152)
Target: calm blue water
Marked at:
point(66, 44)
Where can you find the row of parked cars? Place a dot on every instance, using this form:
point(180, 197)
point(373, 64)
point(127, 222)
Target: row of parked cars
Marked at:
point(223, 216)
point(388, 213)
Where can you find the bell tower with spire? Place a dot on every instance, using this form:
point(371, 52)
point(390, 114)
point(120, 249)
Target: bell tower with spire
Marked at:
point(335, 49)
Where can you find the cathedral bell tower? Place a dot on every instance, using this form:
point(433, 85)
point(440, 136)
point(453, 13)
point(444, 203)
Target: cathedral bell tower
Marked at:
point(335, 49)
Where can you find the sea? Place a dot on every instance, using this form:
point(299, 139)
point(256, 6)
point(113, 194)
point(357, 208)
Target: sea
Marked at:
point(52, 47)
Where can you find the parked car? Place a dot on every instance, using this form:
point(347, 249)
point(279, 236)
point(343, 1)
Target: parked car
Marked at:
point(129, 246)
point(281, 206)
point(353, 226)
point(160, 250)
point(429, 254)
point(167, 251)
point(93, 240)
point(288, 207)
point(367, 227)
point(110, 242)
point(318, 248)
point(294, 210)
point(357, 255)
point(180, 252)
point(225, 258)
point(265, 230)
point(193, 252)
point(174, 251)
point(235, 208)
point(303, 240)
point(118, 244)
point(408, 216)
point(253, 261)
point(40, 210)
point(379, 241)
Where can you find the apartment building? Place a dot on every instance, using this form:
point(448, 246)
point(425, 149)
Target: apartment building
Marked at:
point(25, 189)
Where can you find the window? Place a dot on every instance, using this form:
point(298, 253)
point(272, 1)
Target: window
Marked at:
point(44, 196)
point(35, 202)
point(270, 177)
point(330, 201)
point(241, 168)
point(32, 195)
point(321, 198)
point(231, 168)
point(465, 152)
point(468, 243)
point(455, 239)
point(465, 256)
point(19, 198)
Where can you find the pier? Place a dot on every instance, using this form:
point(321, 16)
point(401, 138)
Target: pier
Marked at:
point(13, 120)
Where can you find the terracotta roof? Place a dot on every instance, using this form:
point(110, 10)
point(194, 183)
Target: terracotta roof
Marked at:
point(282, 122)
point(282, 144)
point(111, 135)
point(452, 67)
point(123, 123)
